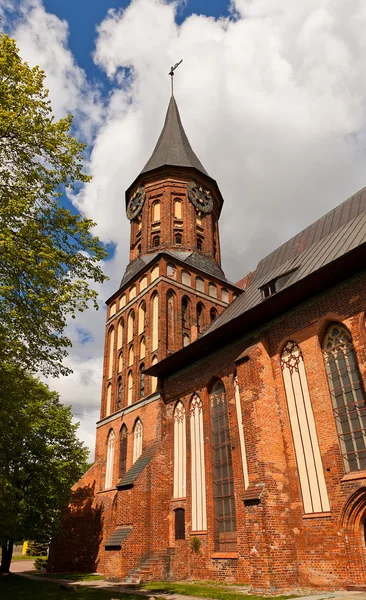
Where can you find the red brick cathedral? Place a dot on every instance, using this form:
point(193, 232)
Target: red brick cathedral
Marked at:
point(232, 436)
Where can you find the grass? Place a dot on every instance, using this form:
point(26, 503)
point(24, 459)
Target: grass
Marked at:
point(68, 576)
point(13, 587)
point(25, 557)
point(204, 590)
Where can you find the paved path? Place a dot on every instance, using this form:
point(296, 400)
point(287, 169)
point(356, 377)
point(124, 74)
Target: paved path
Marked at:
point(21, 566)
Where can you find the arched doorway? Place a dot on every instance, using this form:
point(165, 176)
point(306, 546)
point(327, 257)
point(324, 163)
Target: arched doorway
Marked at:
point(354, 527)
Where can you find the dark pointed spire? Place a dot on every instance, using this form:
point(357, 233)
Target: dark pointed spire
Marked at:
point(173, 148)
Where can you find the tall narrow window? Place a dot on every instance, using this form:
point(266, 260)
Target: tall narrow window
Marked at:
point(142, 317)
point(142, 380)
point(185, 313)
point(179, 490)
point(156, 241)
point(170, 322)
point(178, 239)
point(156, 211)
point(212, 290)
point(222, 470)
point(133, 292)
point(154, 380)
point(199, 519)
point(122, 301)
point(143, 283)
point(199, 243)
point(309, 462)
point(224, 295)
point(130, 357)
point(119, 392)
point(200, 284)
point(186, 278)
point(123, 450)
point(348, 395)
point(155, 322)
point(120, 362)
point(110, 460)
point(142, 348)
point(179, 524)
point(155, 273)
point(137, 440)
point(241, 432)
point(109, 400)
point(111, 353)
point(177, 208)
point(130, 326)
point(199, 317)
point(112, 310)
point(129, 388)
point(120, 334)
point(213, 314)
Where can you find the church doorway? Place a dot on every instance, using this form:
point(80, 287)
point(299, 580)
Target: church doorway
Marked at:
point(354, 526)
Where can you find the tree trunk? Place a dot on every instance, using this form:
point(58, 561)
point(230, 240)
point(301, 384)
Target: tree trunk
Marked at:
point(6, 554)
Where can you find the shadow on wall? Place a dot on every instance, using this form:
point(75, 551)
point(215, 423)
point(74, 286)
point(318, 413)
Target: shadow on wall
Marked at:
point(75, 548)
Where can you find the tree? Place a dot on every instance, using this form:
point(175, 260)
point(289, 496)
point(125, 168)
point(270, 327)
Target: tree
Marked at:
point(47, 254)
point(40, 459)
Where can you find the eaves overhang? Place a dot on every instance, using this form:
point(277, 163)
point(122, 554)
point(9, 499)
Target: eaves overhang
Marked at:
point(324, 278)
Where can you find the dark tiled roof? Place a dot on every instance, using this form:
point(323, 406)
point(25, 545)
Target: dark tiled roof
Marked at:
point(134, 267)
point(173, 147)
point(118, 537)
point(334, 235)
point(132, 474)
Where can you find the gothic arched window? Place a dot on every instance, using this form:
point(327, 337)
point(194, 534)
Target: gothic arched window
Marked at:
point(142, 318)
point(137, 440)
point(109, 400)
point(123, 450)
point(119, 392)
point(154, 380)
point(348, 395)
point(198, 483)
point(155, 322)
point(142, 380)
point(110, 460)
point(199, 317)
point(129, 388)
point(130, 326)
point(142, 348)
point(130, 356)
point(213, 314)
point(307, 452)
point(222, 469)
point(120, 362)
point(111, 352)
point(179, 489)
point(170, 321)
point(120, 334)
point(185, 312)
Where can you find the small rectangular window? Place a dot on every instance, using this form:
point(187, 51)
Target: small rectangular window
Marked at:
point(179, 524)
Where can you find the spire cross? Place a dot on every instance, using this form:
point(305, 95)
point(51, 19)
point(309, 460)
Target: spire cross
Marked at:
point(172, 69)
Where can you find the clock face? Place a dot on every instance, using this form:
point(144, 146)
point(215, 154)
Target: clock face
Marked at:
point(200, 198)
point(136, 203)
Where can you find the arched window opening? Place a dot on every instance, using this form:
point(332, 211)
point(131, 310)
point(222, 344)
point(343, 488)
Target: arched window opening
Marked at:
point(185, 313)
point(123, 451)
point(213, 314)
point(130, 326)
point(154, 380)
point(222, 470)
point(156, 241)
point(186, 278)
point(179, 488)
point(199, 243)
point(130, 356)
point(142, 348)
point(133, 292)
point(212, 290)
point(155, 273)
point(129, 388)
point(110, 460)
point(305, 439)
point(112, 310)
point(200, 284)
point(111, 353)
point(178, 239)
point(120, 362)
point(170, 322)
point(171, 270)
point(155, 322)
point(119, 392)
point(137, 440)
point(122, 301)
point(139, 249)
point(177, 208)
point(348, 395)
point(120, 333)
point(198, 479)
point(109, 400)
point(142, 318)
point(156, 211)
point(224, 295)
point(179, 524)
point(142, 380)
point(143, 283)
point(199, 317)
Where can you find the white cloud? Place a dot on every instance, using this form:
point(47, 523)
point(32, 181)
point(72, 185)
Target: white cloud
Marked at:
point(273, 102)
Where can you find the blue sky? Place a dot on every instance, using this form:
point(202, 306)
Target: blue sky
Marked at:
point(272, 95)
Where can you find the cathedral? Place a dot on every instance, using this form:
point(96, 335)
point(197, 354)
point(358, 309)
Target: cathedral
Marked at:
point(231, 444)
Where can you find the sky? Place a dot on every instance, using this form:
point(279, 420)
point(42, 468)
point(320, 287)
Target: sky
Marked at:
point(272, 95)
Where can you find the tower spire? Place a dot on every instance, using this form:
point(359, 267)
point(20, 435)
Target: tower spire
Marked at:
point(171, 73)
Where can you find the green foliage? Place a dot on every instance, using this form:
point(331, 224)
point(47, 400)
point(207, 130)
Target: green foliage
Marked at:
point(40, 563)
point(48, 255)
point(71, 576)
point(36, 549)
point(41, 457)
point(195, 544)
point(204, 590)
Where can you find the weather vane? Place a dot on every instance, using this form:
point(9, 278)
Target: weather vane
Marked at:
point(172, 69)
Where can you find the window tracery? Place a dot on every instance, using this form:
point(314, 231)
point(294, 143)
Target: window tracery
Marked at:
point(198, 483)
point(179, 488)
point(137, 440)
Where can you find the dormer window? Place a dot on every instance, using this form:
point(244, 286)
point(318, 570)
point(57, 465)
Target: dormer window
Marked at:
point(269, 289)
point(276, 285)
